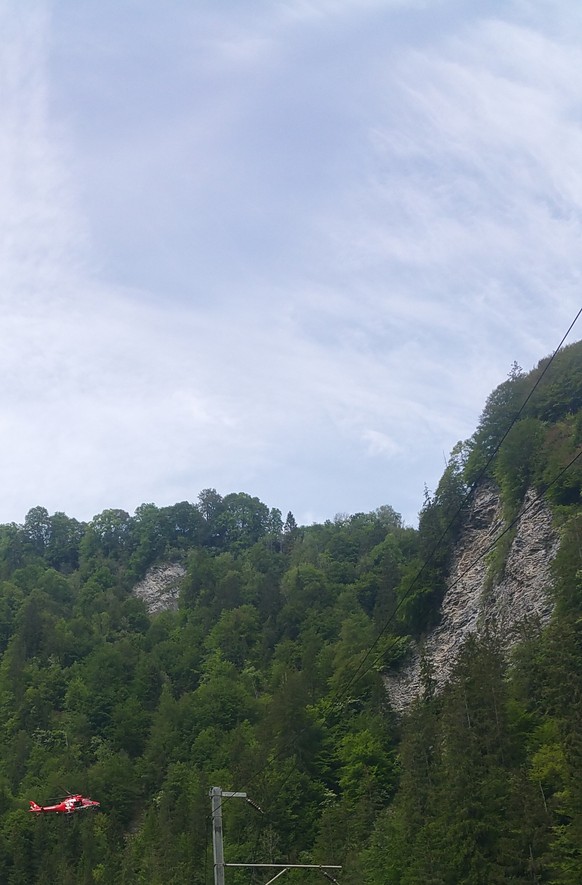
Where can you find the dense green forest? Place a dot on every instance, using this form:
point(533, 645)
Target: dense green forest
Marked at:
point(268, 679)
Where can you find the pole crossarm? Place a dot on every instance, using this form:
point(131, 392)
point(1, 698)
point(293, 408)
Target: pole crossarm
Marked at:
point(217, 795)
point(289, 866)
point(284, 868)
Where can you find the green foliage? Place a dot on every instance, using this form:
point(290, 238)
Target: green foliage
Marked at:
point(146, 713)
point(269, 678)
point(548, 402)
point(440, 520)
point(497, 558)
point(517, 462)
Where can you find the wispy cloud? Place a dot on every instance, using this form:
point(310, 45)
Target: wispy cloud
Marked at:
point(315, 10)
point(380, 443)
point(38, 229)
point(473, 198)
point(255, 267)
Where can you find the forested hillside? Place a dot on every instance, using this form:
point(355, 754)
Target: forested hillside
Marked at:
point(268, 679)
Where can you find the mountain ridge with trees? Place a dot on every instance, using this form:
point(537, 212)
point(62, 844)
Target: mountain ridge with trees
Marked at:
point(268, 678)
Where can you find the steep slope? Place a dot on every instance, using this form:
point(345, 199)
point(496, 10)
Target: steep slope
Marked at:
point(471, 604)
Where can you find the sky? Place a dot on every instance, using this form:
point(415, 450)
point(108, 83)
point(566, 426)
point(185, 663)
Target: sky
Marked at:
point(285, 248)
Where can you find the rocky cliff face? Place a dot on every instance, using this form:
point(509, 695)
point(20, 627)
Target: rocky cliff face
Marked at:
point(161, 587)
point(468, 606)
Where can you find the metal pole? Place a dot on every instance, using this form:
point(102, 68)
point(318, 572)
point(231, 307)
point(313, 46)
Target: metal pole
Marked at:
point(217, 845)
point(217, 795)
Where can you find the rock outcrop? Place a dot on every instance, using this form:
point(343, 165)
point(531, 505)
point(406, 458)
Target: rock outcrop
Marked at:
point(161, 587)
point(469, 606)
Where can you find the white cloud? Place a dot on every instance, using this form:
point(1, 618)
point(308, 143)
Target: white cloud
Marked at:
point(259, 282)
point(316, 10)
point(474, 187)
point(381, 444)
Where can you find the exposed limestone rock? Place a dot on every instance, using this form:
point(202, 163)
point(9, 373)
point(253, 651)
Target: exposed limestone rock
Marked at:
point(468, 607)
point(161, 587)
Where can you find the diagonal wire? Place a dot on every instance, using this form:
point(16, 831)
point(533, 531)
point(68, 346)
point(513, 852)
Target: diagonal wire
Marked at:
point(341, 694)
point(456, 514)
point(536, 502)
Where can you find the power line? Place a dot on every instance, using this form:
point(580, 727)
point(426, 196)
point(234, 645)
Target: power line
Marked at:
point(337, 701)
point(537, 501)
point(340, 695)
point(456, 514)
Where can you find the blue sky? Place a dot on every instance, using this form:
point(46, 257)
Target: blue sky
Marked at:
point(284, 247)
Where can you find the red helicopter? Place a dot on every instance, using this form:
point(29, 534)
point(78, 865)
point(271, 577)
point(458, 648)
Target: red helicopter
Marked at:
point(72, 803)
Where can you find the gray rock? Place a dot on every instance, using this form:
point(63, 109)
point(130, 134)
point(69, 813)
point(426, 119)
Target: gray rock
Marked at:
point(468, 606)
point(161, 587)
